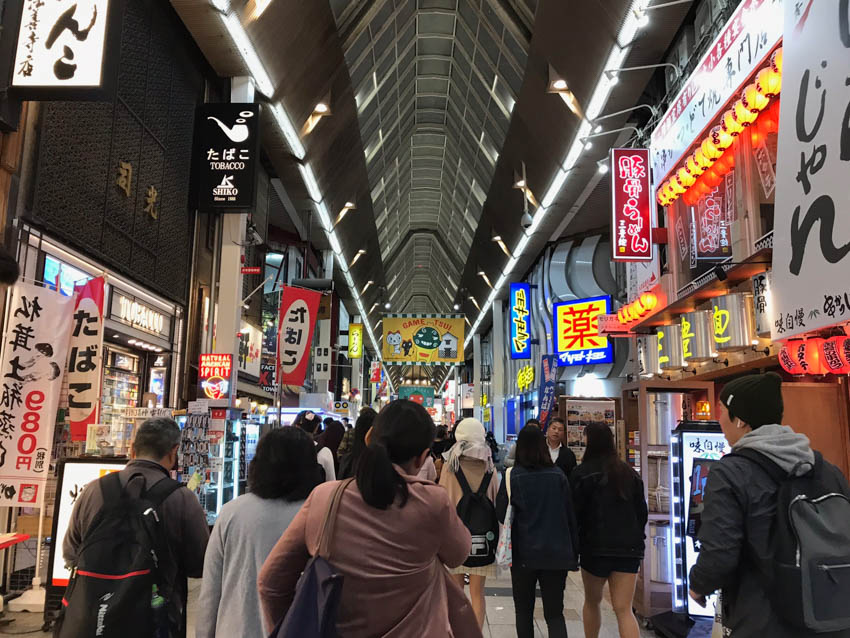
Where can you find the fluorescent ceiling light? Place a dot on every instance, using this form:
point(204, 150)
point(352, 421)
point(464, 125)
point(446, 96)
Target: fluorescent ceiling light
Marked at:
point(310, 182)
point(289, 133)
point(249, 55)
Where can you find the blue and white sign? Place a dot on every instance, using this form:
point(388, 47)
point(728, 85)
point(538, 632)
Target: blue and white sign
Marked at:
point(577, 339)
point(520, 321)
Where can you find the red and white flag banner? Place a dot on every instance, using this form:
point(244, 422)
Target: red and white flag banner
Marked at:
point(85, 361)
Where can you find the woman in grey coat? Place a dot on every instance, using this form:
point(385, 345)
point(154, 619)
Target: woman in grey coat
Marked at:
point(281, 476)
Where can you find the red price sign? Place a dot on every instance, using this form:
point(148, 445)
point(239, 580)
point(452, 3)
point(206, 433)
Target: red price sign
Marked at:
point(631, 223)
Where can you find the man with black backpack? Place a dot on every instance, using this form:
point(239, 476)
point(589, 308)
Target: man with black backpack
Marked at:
point(134, 538)
point(775, 529)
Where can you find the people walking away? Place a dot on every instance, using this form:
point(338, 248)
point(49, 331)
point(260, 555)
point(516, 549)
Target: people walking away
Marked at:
point(348, 463)
point(611, 513)
point(562, 456)
point(309, 422)
point(774, 530)
point(473, 484)
point(280, 478)
point(392, 535)
point(510, 458)
point(543, 535)
point(135, 536)
point(330, 440)
point(443, 441)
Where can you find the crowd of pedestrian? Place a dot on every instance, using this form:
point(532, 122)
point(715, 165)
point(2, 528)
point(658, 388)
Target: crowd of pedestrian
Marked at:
point(389, 548)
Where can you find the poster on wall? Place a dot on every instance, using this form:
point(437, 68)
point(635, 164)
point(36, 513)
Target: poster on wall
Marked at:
point(250, 349)
point(577, 340)
point(75, 476)
point(67, 51)
point(631, 204)
point(423, 339)
point(810, 287)
point(85, 358)
point(226, 153)
point(35, 350)
point(520, 304)
point(548, 378)
point(298, 310)
point(421, 394)
point(580, 414)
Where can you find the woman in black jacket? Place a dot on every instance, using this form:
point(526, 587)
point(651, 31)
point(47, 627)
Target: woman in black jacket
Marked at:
point(543, 534)
point(612, 514)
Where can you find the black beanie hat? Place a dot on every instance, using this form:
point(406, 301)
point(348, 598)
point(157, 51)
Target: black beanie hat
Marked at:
point(755, 399)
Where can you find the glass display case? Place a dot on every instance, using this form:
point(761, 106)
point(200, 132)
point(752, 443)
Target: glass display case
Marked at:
point(121, 380)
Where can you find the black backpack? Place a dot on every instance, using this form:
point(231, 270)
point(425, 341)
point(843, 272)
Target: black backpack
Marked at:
point(479, 515)
point(111, 591)
point(808, 582)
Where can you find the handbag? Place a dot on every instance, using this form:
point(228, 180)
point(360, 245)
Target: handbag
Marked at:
point(314, 609)
point(504, 551)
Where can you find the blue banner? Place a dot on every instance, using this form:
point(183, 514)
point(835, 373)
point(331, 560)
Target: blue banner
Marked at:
point(520, 321)
point(548, 378)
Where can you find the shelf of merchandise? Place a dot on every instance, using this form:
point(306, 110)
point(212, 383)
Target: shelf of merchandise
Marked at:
point(653, 597)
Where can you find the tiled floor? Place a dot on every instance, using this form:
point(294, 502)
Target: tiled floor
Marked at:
point(500, 613)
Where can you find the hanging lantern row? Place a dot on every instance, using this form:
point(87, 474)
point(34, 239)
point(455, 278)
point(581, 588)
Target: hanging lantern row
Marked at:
point(645, 303)
point(816, 356)
point(703, 170)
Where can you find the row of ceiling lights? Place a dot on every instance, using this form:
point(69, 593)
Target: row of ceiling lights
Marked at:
point(144, 345)
point(636, 18)
point(232, 23)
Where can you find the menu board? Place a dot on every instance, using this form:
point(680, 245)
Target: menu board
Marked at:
point(584, 412)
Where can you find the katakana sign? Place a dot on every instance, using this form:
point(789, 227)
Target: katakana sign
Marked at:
point(298, 310)
point(632, 201)
point(577, 340)
point(520, 321)
point(35, 349)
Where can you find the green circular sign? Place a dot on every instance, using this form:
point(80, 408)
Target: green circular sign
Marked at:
point(427, 338)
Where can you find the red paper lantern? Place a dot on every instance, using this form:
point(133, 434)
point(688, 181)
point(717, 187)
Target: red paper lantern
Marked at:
point(726, 162)
point(809, 356)
point(776, 61)
point(712, 177)
point(788, 360)
point(831, 355)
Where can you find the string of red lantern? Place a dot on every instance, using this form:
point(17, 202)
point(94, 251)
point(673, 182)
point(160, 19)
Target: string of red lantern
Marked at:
point(816, 356)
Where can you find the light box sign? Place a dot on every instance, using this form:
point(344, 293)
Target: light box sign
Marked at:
point(67, 50)
point(577, 339)
point(520, 320)
point(423, 339)
point(227, 152)
point(355, 341)
point(631, 190)
point(214, 373)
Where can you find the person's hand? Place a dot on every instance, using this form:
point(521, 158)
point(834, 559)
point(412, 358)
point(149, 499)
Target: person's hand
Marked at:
point(699, 599)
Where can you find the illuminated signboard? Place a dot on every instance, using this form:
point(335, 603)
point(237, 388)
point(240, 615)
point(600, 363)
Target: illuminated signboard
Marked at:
point(520, 319)
point(355, 341)
point(631, 202)
point(577, 339)
point(214, 376)
point(524, 378)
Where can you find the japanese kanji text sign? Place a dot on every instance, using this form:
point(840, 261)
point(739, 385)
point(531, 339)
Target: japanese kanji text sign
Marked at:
point(227, 154)
point(355, 341)
point(214, 371)
point(85, 357)
point(546, 394)
point(631, 220)
point(712, 225)
point(298, 311)
point(35, 348)
point(66, 49)
point(520, 321)
point(810, 287)
point(577, 339)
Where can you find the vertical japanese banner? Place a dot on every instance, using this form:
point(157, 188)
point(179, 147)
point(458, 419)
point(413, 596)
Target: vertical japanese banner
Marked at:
point(298, 311)
point(355, 341)
point(631, 204)
point(520, 320)
point(549, 369)
point(84, 357)
point(712, 226)
point(811, 242)
point(35, 347)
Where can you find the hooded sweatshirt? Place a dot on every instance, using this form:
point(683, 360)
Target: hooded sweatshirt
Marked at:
point(789, 450)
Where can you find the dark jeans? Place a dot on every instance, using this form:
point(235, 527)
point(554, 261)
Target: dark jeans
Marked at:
point(552, 585)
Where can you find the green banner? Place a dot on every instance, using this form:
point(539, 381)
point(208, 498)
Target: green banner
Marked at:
point(422, 394)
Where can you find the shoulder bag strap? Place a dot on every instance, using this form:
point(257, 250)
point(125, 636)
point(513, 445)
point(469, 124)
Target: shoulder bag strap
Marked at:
point(327, 532)
point(485, 483)
point(461, 479)
point(771, 469)
point(508, 482)
point(161, 490)
point(111, 489)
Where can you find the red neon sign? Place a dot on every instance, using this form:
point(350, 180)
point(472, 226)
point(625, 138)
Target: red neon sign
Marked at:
point(214, 375)
point(631, 228)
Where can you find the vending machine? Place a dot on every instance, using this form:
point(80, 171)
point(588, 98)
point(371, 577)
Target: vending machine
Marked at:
point(695, 447)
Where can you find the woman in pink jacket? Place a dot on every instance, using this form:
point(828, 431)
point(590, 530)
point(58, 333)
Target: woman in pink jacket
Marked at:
point(393, 534)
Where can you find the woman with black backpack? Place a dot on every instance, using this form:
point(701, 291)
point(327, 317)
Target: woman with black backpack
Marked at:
point(473, 483)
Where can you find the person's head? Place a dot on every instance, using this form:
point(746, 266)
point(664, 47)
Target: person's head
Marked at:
point(157, 440)
point(555, 433)
point(402, 435)
point(531, 450)
point(284, 466)
point(534, 422)
point(361, 429)
point(747, 403)
point(471, 431)
point(307, 421)
point(602, 448)
point(442, 433)
point(332, 436)
point(328, 420)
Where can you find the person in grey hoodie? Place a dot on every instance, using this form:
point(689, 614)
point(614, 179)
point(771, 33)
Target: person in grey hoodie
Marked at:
point(740, 507)
point(280, 478)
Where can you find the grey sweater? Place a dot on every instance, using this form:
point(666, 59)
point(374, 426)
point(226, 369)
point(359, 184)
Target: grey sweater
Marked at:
point(243, 536)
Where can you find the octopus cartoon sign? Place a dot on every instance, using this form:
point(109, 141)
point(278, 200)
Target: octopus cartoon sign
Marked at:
point(423, 339)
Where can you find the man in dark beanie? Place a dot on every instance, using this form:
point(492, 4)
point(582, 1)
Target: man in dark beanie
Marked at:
point(740, 506)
